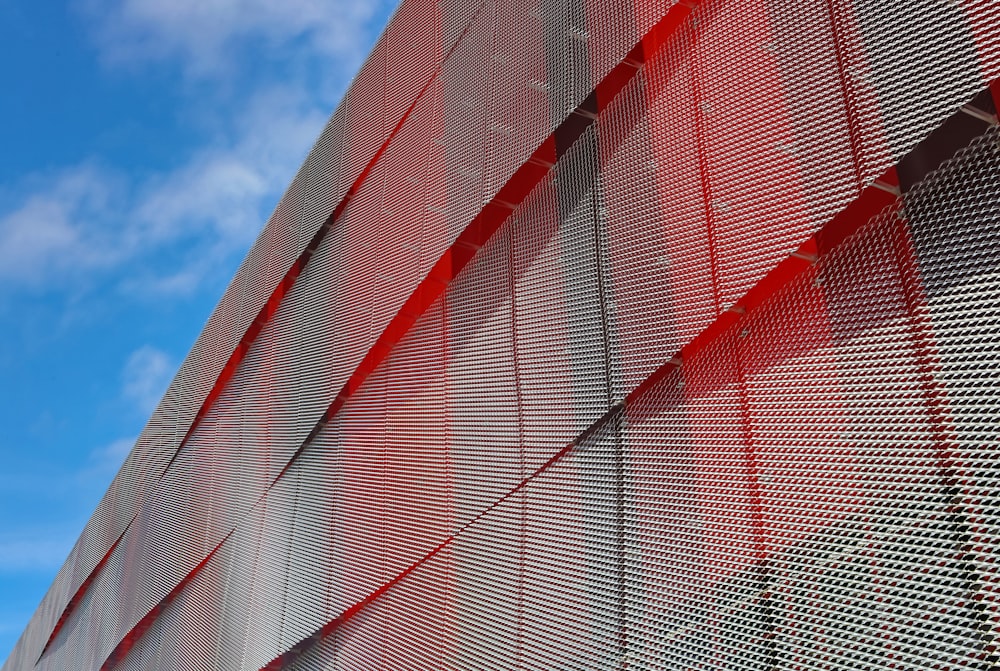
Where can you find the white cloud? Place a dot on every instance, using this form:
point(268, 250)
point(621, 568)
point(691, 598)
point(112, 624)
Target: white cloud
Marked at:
point(225, 186)
point(145, 377)
point(45, 234)
point(86, 221)
point(207, 36)
point(164, 234)
point(113, 454)
point(102, 464)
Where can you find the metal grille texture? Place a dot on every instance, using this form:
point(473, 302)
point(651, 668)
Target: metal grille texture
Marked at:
point(592, 335)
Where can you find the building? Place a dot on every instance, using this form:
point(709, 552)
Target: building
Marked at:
point(592, 335)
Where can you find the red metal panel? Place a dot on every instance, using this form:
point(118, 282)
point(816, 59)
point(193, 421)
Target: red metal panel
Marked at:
point(661, 253)
point(983, 17)
point(753, 197)
point(499, 385)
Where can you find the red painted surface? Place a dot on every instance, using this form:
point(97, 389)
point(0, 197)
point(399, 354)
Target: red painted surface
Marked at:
point(689, 291)
point(143, 625)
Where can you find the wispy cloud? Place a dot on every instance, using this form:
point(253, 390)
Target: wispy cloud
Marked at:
point(45, 234)
point(113, 453)
point(147, 373)
point(164, 233)
point(223, 185)
point(101, 465)
point(208, 36)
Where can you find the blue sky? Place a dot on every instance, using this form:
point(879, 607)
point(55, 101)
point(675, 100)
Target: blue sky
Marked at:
point(143, 144)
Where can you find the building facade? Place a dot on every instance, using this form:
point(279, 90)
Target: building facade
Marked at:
point(592, 335)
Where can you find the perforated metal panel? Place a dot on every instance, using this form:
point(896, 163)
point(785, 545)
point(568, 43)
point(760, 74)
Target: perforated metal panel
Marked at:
point(592, 336)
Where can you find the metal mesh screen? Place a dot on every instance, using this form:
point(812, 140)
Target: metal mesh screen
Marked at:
point(592, 336)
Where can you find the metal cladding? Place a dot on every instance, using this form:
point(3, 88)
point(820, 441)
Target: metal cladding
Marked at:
point(592, 335)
